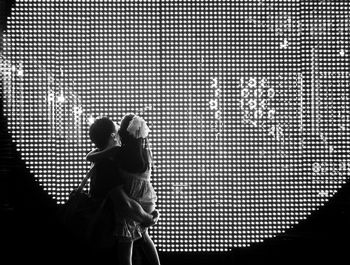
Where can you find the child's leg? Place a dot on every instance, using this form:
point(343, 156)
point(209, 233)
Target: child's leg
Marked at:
point(149, 249)
point(125, 253)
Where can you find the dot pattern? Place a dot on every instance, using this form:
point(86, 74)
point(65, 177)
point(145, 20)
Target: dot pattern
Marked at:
point(247, 102)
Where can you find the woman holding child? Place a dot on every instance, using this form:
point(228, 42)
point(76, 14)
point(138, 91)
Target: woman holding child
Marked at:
point(121, 173)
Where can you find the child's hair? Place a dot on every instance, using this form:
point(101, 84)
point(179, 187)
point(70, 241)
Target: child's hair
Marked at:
point(100, 131)
point(135, 155)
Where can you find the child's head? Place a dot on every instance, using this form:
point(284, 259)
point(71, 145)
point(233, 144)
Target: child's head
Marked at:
point(132, 126)
point(102, 131)
point(133, 133)
point(124, 124)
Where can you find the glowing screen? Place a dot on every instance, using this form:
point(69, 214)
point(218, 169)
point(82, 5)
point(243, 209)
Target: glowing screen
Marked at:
point(248, 104)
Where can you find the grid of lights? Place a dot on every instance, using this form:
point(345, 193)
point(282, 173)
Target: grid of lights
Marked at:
point(248, 103)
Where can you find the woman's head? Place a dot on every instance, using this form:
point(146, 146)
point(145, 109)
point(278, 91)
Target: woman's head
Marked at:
point(102, 131)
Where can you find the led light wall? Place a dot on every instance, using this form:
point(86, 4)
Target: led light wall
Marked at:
point(247, 101)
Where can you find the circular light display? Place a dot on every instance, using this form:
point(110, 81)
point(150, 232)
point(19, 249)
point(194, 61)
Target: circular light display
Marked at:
point(247, 101)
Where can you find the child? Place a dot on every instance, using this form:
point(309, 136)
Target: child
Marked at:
point(135, 160)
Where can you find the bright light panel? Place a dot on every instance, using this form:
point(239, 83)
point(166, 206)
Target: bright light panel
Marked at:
point(247, 100)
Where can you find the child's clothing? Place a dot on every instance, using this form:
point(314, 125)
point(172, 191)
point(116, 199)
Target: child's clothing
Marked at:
point(138, 187)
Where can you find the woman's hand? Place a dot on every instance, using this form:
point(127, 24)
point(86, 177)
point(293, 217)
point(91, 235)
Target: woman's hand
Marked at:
point(155, 215)
point(153, 220)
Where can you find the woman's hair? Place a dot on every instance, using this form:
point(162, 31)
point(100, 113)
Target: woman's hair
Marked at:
point(100, 131)
point(135, 154)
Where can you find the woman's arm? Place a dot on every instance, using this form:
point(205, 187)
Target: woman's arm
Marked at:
point(130, 207)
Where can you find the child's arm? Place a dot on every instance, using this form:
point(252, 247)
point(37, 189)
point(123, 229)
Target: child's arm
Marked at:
point(96, 155)
point(89, 157)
